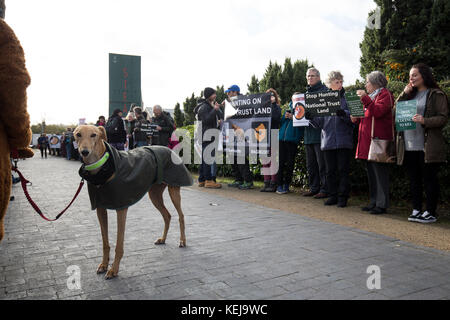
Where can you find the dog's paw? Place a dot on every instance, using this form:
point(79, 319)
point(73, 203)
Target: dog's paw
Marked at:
point(182, 244)
point(111, 274)
point(102, 268)
point(160, 241)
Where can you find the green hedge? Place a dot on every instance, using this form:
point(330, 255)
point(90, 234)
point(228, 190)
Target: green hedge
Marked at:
point(399, 182)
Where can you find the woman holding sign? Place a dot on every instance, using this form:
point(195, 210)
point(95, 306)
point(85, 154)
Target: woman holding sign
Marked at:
point(377, 123)
point(422, 150)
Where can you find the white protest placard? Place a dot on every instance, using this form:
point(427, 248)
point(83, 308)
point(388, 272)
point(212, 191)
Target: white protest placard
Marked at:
point(298, 104)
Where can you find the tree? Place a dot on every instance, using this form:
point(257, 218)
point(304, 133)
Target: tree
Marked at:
point(271, 78)
point(188, 106)
point(299, 78)
point(287, 81)
point(221, 95)
point(411, 32)
point(253, 86)
point(178, 116)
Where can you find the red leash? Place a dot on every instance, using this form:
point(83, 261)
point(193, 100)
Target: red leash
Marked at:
point(24, 182)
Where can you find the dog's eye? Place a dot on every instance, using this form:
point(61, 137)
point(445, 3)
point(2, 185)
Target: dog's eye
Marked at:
point(79, 135)
point(93, 135)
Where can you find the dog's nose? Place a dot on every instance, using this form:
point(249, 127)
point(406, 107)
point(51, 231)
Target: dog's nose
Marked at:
point(85, 153)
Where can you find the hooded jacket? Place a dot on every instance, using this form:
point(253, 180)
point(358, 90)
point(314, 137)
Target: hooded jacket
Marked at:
point(207, 115)
point(134, 173)
point(337, 132)
point(289, 133)
point(312, 135)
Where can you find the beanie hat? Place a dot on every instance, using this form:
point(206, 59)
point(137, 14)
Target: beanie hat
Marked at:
point(208, 92)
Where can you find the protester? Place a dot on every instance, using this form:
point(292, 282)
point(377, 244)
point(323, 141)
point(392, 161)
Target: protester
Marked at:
point(289, 138)
point(164, 125)
point(423, 150)
point(115, 130)
point(43, 145)
point(68, 142)
point(337, 145)
point(101, 122)
point(243, 177)
point(130, 124)
point(140, 137)
point(378, 103)
point(270, 180)
point(315, 161)
point(208, 111)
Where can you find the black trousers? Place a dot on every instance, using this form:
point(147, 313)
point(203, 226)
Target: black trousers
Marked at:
point(337, 171)
point(422, 175)
point(288, 151)
point(315, 164)
point(241, 172)
point(378, 175)
point(43, 151)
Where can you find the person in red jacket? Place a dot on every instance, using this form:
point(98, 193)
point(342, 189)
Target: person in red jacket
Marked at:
point(378, 103)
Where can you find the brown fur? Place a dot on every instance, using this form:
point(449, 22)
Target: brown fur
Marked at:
point(90, 139)
point(15, 130)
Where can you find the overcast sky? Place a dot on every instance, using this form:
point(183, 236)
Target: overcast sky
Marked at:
point(185, 46)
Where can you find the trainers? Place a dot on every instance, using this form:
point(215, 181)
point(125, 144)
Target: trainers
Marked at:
point(426, 217)
point(209, 184)
point(201, 184)
point(235, 184)
point(281, 190)
point(246, 186)
point(414, 217)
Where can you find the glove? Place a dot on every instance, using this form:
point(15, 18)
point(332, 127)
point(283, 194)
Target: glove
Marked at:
point(308, 115)
point(340, 113)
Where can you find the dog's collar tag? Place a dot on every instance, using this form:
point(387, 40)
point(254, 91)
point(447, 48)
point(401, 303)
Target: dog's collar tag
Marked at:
point(98, 164)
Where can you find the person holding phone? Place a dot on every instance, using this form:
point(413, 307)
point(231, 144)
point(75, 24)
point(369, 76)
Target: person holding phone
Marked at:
point(423, 150)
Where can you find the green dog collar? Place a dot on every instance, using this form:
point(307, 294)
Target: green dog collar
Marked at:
point(98, 164)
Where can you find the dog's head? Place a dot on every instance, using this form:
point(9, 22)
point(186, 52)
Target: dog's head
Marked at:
point(90, 141)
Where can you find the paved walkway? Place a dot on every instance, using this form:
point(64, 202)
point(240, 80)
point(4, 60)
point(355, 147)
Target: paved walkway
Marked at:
point(236, 250)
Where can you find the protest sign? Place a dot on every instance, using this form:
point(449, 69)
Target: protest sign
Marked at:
point(298, 104)
point(355, 105)
point(404, 112)
point(249, 128)
point(322, 104)
point(55, 142)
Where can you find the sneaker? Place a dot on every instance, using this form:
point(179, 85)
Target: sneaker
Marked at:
point(414, 217)
point(286, 188)
point(246, 186)
point(281, 190)
point(426, 217)
point(235, 184)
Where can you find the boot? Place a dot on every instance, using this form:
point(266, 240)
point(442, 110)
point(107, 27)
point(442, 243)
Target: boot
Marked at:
point(210, 184)
point(266, 187)
point(273, 187)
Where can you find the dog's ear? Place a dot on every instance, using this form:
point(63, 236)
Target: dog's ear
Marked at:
point(77, 129)
point(102, 133)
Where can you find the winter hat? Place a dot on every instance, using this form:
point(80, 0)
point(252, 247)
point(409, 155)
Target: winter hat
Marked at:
point(208, 92)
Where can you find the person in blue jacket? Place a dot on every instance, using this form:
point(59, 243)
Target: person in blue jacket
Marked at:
point(289, 138)
point(336, 145)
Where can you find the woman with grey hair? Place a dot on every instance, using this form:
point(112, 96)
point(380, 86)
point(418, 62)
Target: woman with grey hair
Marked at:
point(378, 103)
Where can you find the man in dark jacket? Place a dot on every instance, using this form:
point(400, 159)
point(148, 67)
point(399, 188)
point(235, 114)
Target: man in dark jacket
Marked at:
point(315, 161)
point(115, 130)
point(164, 127)
point(209, 113)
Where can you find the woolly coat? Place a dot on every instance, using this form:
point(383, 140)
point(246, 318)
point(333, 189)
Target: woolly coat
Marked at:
point(15, 130)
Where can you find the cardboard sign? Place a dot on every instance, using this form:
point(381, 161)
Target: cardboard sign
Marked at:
point(322, 104)
point(404, 112)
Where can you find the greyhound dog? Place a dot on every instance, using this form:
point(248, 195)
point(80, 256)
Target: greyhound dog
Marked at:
point(93, 148)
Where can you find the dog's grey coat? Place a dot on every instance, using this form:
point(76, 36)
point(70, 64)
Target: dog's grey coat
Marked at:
point(135, 172)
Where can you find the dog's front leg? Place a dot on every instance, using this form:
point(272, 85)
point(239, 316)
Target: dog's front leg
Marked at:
point(121, 219)
point(102, 215)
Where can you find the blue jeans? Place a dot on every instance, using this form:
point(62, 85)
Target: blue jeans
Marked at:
point(141, 144)
point(201, 176)
point(68, 151)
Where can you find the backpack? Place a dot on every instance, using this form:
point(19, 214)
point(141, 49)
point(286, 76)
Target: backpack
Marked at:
point(112, 126)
